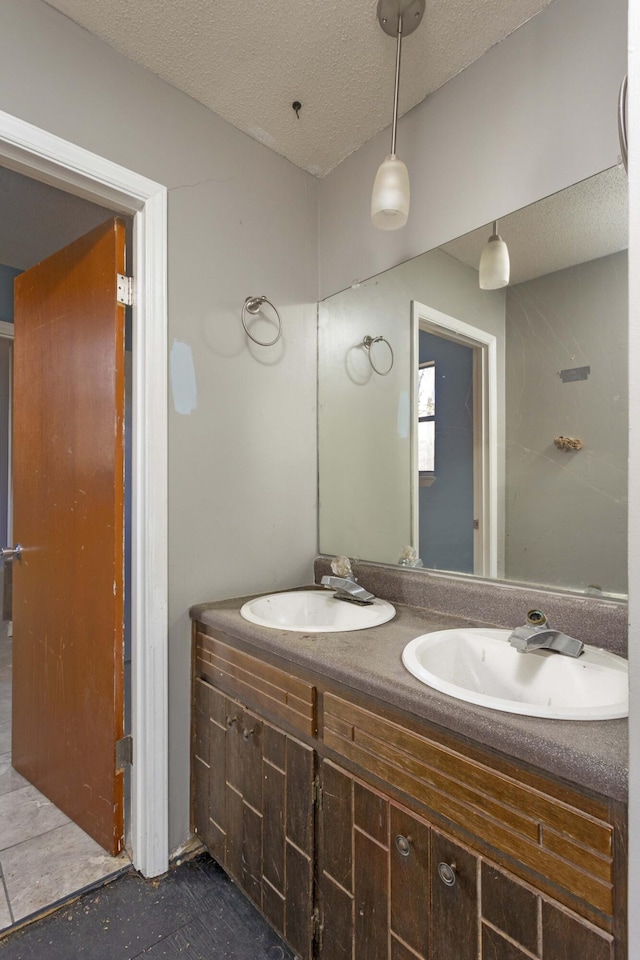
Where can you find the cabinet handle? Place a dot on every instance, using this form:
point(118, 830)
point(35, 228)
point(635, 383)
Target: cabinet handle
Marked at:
point(231, 721)
point(247, 733)
point(403, 845)
point(447, 873)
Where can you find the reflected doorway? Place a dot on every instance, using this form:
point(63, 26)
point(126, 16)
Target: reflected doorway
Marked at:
point(454, 424)
point(445, 453)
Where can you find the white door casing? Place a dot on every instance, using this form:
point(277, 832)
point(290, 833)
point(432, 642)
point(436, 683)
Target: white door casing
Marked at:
point(45, 157)
point(6, 331)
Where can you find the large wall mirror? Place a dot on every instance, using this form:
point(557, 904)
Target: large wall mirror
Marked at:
point(486, 429)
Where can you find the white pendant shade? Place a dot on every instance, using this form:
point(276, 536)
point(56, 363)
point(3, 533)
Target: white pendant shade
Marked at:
point(391, 193)
point(494, 264)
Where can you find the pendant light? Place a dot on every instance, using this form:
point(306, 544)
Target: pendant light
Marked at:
point(494, 262)
point(390, 197)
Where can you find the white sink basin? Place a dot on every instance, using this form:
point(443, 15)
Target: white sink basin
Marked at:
point(315, 611)
point(480, 666)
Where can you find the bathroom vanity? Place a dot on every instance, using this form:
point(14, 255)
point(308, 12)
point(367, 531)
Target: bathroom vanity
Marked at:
point(371, 818)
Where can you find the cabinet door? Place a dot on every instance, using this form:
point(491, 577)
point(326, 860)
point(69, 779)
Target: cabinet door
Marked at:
point(208, 768)
point(288, 837)
point(243, 798)
point(565, 937)
point(410, 895)
point(510, 916)
point(200, 758)
point(252, 802)
point(335, 864)
point(518, 923)
point(454, 900)
point(373, 879)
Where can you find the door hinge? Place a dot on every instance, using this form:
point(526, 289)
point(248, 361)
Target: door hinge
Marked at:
point(318, 928)
point(124, 288)
point(318, 798)
point(476, 524)
point(124, 752)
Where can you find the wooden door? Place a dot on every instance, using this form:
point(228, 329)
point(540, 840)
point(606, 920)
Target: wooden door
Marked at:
point(68, 481)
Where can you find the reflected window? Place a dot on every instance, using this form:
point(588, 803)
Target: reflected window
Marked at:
point(427, 417)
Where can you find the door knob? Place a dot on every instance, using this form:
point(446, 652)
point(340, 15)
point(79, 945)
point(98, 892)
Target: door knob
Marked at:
point(11, 553)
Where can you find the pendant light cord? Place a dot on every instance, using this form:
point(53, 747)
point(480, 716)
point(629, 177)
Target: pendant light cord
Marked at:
point(397, 86)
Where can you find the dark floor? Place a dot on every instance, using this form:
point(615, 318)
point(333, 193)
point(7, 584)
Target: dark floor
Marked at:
point(193, 913)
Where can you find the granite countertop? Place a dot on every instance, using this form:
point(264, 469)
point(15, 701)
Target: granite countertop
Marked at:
point(591, 754)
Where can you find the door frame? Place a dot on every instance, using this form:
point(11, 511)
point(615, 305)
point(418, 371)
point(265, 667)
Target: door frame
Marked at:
point(6, 332)
point(50, 159)
point(485, 428)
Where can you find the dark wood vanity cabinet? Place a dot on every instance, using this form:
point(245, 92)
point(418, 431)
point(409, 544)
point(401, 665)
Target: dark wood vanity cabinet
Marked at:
point(253, 809)
point(373, 873)
point(391, 886)
point(375, 841)
point(253, 786)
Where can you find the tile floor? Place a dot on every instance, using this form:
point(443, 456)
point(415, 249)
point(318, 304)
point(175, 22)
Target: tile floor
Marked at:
point(44, 857)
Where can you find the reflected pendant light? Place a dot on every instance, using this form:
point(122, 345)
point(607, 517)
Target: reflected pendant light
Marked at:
point(390, 197)
point(494, 262)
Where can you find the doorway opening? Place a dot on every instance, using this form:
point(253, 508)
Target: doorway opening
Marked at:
point(49, 159)
point(52, 834)
point(454, 448)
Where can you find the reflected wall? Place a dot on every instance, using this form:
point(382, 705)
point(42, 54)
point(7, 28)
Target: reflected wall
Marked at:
point(566, 511)
point(364, 420)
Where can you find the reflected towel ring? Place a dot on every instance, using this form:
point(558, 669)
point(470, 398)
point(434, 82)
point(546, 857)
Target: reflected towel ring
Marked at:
point(252, 305)
point(368, 342)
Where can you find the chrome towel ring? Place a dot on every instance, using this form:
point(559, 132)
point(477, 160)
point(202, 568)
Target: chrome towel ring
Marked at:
point(622, 122)
point(368, 342)
point(252, 305)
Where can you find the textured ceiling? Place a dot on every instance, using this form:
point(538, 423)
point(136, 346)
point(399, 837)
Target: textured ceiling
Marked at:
point(249, 61)
point(581, 223)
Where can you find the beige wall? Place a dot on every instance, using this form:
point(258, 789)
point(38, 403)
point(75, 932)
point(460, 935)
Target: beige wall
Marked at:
point(566, 512)
point(242, 474)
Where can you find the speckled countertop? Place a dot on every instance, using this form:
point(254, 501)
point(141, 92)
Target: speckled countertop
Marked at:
point(591, 754)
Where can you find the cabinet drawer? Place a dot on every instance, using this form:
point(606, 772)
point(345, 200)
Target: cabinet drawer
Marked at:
point(569, 849)
point(258, 684)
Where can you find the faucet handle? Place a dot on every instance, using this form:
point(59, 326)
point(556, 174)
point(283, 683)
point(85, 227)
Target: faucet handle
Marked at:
point(341, 566)
point(409, 557)
point(536, 618)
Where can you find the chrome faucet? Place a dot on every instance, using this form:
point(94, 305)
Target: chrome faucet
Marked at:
point(345, 584)
point(536, 634)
